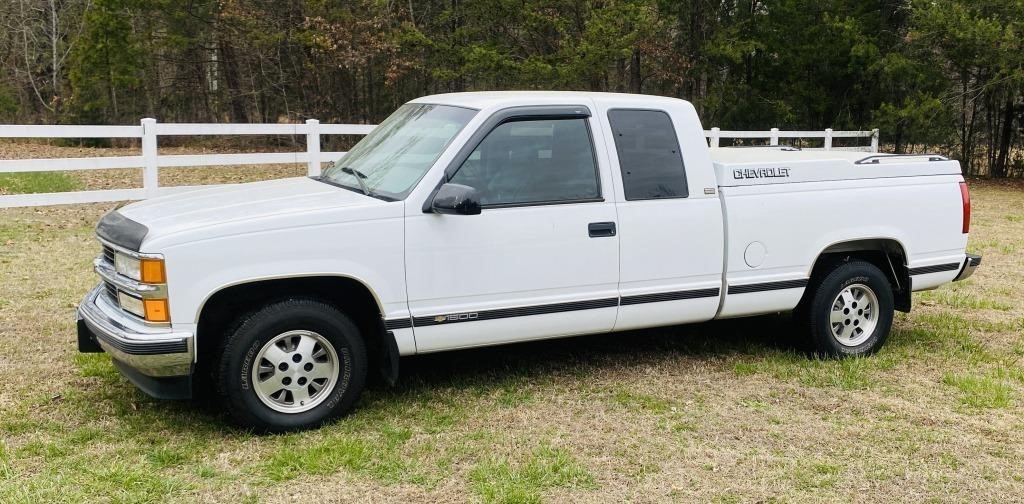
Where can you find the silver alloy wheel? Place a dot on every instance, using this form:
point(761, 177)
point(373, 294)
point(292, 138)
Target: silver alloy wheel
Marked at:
point(854, 315)
point(295, 371)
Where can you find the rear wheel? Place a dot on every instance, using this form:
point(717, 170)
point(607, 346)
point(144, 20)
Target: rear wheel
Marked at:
point(291, 365)
point(850, 310)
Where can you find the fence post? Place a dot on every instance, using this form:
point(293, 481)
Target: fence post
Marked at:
point(874, 140)
point(313, 146)
point(714, 137)
point(828, 138)
point(775, 137)
point(150, 170)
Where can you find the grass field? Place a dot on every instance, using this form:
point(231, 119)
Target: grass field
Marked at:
point(719, 412)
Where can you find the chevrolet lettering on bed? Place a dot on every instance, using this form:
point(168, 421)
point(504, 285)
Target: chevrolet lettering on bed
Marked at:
point(474, 219)
point(756, 173)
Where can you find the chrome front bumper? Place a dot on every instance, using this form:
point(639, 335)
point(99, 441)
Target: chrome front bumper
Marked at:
point(971, 263)
point(148, 356)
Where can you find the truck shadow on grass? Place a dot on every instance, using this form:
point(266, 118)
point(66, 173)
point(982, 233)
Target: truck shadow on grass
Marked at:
point(587, 353)
point(770, 345)
point(472, 371)
point(479, 371)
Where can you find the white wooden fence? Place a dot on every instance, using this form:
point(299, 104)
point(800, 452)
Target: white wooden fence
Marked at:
point(150, 160)
point(715, 135)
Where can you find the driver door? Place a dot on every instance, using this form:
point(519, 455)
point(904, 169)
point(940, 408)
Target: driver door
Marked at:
point(540, 260)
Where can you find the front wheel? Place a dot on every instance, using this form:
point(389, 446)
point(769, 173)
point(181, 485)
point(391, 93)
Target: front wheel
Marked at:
point(850, 310)
point(291, 365)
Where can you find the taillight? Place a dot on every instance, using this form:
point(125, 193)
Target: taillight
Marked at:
point(965, 196)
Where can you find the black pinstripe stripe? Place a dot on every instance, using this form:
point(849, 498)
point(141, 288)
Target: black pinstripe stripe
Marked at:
point(401, 323)
point(525, 311)
point(453, 318)
point(938, 268)
point(670, 296)
point(761, 287)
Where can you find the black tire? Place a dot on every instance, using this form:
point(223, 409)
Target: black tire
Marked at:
point(234, 378)
point(817, 309)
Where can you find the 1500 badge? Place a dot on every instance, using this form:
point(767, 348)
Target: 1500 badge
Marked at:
point(459, 317)
point(759, 173)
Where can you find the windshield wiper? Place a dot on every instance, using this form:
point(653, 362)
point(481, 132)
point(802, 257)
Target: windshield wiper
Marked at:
point(359, 176)
point(356, 174)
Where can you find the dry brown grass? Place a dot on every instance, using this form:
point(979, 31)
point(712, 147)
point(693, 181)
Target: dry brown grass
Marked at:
point(132, 177)
point(724, 411)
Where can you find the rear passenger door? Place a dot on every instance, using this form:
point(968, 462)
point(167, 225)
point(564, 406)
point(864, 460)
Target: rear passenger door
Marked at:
point(670, 219)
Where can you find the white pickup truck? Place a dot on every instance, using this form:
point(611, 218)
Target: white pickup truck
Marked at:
point(474, 219)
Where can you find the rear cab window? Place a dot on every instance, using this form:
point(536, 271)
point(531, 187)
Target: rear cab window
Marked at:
point(649, 155)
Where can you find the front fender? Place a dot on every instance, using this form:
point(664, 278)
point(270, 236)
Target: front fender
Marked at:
point(370, 252)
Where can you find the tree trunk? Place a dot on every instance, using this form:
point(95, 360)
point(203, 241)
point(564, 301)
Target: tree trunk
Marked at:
point(1005, 137)
point(54, 63)
point(232, 81)
point(693, 51)
point(635, 78)
point(966, 125)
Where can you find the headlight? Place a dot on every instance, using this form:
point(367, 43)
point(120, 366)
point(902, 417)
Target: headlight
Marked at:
point(149, 271)
point(128, 266)
point(132, 304)
point(152, 310)
point(146, 297)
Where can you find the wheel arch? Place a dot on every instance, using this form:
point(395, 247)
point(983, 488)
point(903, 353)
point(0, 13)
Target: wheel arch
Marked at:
point(223, 307)
point(886, 253)
point(257, 282)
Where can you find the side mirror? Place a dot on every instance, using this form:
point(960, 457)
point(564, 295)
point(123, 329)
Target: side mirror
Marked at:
point(456, 199)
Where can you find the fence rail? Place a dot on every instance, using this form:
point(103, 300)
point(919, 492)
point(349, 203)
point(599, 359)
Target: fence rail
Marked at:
point(773, 136)
point(150, 160)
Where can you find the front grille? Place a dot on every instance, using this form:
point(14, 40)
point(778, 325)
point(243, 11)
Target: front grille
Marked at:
point(111, 292)
point(108, 254)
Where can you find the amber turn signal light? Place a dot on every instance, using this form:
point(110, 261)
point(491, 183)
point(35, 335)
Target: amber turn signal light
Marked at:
point(151, 271)
point(156, 310)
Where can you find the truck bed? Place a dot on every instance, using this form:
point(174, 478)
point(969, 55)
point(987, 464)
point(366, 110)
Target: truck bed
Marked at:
point(784, 208)
point(745, 166)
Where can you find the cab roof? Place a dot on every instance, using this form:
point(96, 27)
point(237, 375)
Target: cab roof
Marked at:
point(500, 99)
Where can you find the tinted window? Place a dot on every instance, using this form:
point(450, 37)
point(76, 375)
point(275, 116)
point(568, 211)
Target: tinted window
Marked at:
point(522, 162)
point(649, 156)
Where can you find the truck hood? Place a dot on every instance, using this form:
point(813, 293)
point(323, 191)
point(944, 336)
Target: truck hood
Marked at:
point(252, 202)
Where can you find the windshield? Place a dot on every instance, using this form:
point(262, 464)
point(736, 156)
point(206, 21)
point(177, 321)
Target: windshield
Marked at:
point(396, 154)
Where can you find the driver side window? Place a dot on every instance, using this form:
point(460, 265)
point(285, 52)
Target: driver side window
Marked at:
point(533, 162)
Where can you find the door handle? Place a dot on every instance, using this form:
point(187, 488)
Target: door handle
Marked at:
point(601, 229)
